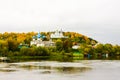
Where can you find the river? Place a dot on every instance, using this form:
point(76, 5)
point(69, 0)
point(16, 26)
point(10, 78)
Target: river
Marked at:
point(53, 70)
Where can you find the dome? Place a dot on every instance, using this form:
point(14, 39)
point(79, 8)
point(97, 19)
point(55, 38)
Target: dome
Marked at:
point(39, 35)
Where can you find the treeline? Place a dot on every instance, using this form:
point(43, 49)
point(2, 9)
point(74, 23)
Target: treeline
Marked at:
point(63, 52)
point(9, 46)
point(101, 51)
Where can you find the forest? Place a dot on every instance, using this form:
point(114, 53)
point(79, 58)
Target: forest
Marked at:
point(10, 46)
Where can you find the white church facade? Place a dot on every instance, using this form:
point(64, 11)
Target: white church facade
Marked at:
point(57, 34)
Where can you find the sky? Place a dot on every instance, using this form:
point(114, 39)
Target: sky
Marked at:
point(98, 19)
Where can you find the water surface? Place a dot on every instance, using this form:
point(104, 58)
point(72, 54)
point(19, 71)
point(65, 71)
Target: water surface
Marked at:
point(53, 70)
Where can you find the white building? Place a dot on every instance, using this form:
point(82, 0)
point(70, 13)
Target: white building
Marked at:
point(38, 39)
point(39, 42)
point(75, 47)
point(58, 34)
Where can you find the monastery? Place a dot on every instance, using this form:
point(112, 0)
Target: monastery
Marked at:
point(39, 41)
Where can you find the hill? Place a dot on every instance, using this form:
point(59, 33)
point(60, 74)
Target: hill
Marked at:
point(13, 38)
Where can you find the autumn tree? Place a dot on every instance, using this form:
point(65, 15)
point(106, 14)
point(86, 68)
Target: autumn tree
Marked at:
point(12, 44)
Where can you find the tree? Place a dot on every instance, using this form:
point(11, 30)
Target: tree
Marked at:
point(59, 45)
point(12, 44)
point(67, 45)
point(3, 43)
point(42, 51)
point(108, 49)
point(24, 51)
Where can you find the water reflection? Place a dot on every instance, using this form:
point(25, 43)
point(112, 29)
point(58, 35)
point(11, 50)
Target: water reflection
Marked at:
point(73, 70)
point(7, 70)
point(48, 67)
point(5, 67)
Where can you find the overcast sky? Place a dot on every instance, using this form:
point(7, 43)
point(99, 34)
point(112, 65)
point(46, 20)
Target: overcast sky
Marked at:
point(98, 19)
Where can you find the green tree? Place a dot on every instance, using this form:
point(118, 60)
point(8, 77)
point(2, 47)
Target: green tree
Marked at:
point(108, 49)
point(59, 45)
point(42, 51)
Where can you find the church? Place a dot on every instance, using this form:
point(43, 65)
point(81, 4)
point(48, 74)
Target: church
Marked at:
point(57, 34)
point(38, 39)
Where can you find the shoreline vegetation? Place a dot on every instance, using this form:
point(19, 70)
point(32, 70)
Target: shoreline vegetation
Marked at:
point(88, 48)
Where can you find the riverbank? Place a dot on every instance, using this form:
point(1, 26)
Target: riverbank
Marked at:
point(60, 58)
